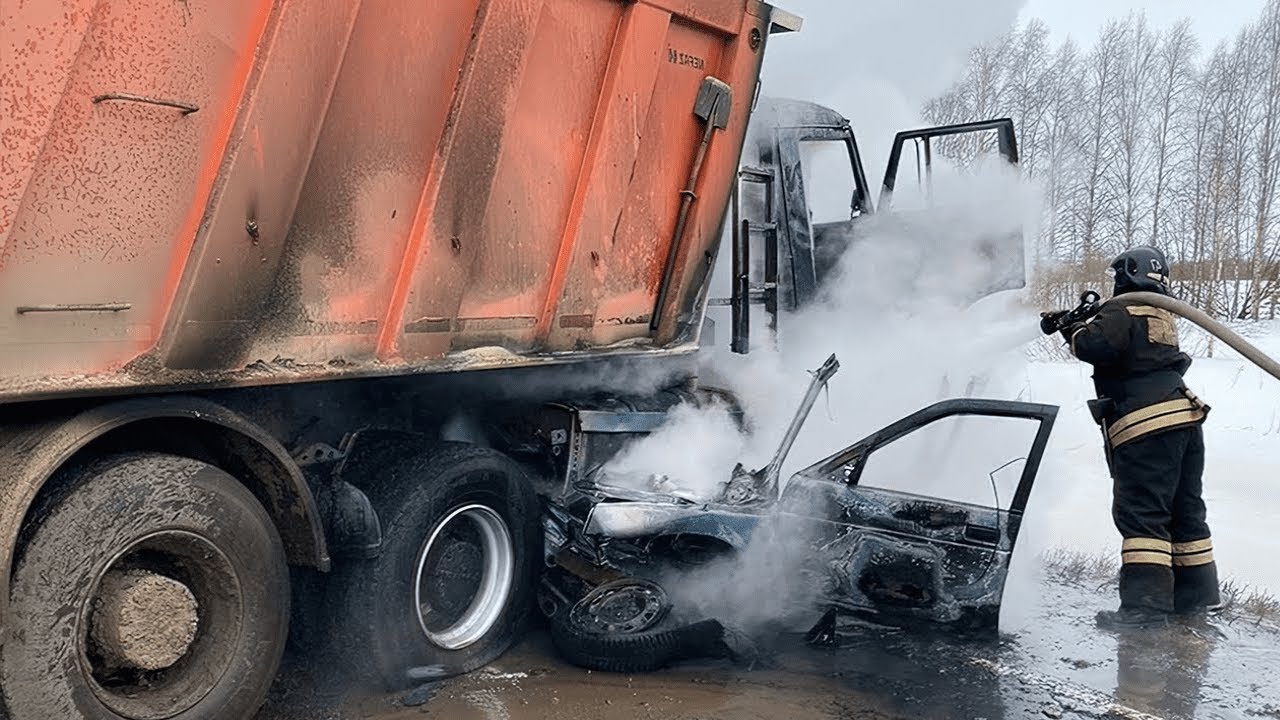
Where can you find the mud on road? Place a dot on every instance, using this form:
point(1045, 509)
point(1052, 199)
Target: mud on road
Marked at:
point(531, 682)
point(1050, 662)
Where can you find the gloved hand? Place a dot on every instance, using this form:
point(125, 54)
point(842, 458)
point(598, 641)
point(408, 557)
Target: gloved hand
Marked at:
point(1070, 330)
point(1050, 321)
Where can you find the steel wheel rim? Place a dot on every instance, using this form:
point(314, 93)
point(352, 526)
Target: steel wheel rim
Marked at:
point(216, 586)
point(645, 603)
point(498, 572)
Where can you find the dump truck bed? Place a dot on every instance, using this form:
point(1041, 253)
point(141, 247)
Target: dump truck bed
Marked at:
point(230, 193)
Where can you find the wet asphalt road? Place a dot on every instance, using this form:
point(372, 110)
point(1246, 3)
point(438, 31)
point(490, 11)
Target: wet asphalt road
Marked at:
point(1053, 663)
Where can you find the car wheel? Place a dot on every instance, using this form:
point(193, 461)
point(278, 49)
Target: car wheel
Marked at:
point(626, 626)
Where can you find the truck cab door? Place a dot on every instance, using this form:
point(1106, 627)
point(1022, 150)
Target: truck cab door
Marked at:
point(824, 193)
point(800, 190)
point(914, 526)
point(954, 209)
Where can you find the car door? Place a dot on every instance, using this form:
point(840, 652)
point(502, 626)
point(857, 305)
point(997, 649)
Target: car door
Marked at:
point(967, 236)
point(825, 194)
point(914, 525)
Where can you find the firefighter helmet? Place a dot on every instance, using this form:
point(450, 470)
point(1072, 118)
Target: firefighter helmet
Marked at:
point(1141, 268)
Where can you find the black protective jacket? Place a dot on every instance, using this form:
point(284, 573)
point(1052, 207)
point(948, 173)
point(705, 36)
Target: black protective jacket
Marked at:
point(1138, 368)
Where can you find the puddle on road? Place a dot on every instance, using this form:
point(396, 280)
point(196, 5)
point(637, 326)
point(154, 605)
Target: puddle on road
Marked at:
point(1219, 668)
point(1054, 664)
point(547, 689)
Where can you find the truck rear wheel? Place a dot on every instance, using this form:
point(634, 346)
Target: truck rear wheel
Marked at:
point(155, 588)
point(451, 589)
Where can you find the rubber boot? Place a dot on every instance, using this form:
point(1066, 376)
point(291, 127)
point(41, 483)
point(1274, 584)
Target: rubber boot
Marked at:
point(1132, 619)
point(1146, 598)
point(1195, 589)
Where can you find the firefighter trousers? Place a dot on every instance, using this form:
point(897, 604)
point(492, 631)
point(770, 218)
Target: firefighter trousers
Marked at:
point(1167, 553)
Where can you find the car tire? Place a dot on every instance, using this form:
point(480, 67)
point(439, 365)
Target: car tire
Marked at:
point(668, 638)
point(467, 518)
point(139, 547)
point(641, 652)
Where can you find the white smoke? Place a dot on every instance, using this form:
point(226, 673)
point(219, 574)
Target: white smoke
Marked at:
point(895, 313)
point(688, 454)
point(893, 316)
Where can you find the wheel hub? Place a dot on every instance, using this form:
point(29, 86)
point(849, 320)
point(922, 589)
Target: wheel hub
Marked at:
point(161, 625)
point(621, 607)
point(460, 570)
point(142, 620)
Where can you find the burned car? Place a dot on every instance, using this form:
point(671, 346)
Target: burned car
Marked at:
point(641, 573)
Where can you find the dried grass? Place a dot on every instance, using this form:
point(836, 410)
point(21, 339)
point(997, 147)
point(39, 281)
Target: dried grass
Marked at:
point(1096, 571)
point(1074, 567)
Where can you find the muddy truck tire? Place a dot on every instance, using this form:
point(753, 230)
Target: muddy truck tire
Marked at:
point(451, 589)
point(151, 586)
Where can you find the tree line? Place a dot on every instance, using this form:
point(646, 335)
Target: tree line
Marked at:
point(1145, 138)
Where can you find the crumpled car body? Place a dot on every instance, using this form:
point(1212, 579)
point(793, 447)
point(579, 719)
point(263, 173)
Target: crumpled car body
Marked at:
point(874, 554)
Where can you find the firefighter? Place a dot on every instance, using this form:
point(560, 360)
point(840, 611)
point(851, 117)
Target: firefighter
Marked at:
point(1154, 444)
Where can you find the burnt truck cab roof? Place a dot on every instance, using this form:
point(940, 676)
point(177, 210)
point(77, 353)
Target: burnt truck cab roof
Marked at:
point(775, 112)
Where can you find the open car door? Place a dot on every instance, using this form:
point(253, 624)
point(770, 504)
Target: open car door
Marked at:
point(949, 200)
point(914, 526)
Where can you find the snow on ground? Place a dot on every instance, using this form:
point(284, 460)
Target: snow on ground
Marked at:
point(1071, 503)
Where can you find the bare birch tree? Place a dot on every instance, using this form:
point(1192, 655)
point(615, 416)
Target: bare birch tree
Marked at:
point(1142, 140)
point(1266, 156)
point(1174, 84)
point(1127, 176)
point(1094, 205)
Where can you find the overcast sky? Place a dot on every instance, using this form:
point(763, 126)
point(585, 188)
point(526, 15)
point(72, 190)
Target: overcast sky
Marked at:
point(1212, 21)
point(877, 61)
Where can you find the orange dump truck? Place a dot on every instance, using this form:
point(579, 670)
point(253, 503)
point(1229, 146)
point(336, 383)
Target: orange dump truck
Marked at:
point(255, 255)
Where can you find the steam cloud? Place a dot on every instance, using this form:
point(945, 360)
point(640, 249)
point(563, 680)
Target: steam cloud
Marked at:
point(878, 62)
point(895, 314)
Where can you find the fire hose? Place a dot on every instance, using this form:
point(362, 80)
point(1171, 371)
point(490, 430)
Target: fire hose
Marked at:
point(1089, 307)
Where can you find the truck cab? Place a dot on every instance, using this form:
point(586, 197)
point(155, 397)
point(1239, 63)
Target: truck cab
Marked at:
point(802, 200)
